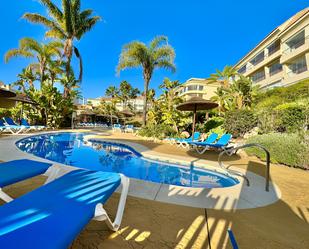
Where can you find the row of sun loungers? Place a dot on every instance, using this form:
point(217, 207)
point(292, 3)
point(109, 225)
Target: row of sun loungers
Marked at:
point(123, 128)
point(88, 124)
point(195, 142)
point(8, 125)
point(52, 215)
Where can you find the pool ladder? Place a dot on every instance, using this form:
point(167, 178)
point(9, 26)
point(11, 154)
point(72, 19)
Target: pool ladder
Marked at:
point(233, 151)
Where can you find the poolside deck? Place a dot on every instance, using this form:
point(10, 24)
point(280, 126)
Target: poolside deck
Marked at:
point(152, 224)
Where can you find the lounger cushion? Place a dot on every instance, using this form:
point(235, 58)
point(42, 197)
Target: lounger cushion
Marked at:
point(19, 170)
point(51, 216)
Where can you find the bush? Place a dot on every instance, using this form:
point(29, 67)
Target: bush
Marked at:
point(212, 123)
point(239, 122)
point(159, 131)
point(289, 149)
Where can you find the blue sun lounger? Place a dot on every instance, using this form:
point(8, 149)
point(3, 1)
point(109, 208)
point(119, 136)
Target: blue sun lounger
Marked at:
point(209, 140)
point(14, 129)
point(196, 136)
point(24, 122)
point(222, 143)
point(19, 170)
point(24, 127)
point(51, 216)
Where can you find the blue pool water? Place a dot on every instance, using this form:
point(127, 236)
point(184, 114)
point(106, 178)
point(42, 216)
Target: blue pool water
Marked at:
point(72, 149)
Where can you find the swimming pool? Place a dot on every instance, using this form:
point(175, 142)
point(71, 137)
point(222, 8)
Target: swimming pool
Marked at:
point(74, 150)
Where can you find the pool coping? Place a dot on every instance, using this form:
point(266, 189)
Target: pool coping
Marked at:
point(229, 198)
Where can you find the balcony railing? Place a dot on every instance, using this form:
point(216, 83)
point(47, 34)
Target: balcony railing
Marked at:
point(275, 71)
point(298, 70)
point(296, 45)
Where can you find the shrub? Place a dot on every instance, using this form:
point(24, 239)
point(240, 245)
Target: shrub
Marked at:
point(212, 123)
point(289, 149)
point(290, 117)
point(159, 131)
point(239, 122)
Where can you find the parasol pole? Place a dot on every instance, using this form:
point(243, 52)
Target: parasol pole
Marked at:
point(194, 120)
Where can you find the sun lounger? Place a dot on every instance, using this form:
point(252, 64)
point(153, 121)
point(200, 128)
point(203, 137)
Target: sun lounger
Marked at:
point(222, 143)
point(19, 170)
point(117, 127)
point(14, 129)
point(177, 140)
point(184, 142)
point(129, 128)
point(24, 122)
point(232, 239)
point(209, 140)
point(51, 216)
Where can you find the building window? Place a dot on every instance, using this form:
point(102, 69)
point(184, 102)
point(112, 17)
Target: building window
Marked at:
point(243, 69)
point(296, 41)
point(298, 66)
point(274, 47)
point(275, 68)
point(257, 59)
point(195, 88)
point(258, 76)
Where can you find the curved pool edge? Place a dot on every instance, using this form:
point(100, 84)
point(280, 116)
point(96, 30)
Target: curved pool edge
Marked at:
point(229, 198)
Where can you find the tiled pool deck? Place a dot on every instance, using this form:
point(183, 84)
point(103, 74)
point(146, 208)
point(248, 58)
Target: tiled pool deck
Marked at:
point(276, 223)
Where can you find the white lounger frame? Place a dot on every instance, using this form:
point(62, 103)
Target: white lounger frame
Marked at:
point(54, 172)
point(101, 214)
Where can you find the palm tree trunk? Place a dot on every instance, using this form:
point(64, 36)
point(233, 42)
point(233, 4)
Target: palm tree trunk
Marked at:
point(146, 85)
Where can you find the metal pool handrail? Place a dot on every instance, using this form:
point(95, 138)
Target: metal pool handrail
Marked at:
point(234, 150)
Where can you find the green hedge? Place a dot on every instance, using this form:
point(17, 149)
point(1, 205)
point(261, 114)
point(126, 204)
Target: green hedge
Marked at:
point(289, 149)
point(239, 122)
point(159, 131)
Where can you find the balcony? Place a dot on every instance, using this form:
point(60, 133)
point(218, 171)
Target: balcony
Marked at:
point(267, 59)
point(294, 49)
point(258, 76)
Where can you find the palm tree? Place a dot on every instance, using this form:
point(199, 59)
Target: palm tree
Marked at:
point(112, 92)
point(158, 54)
point(44, 53)
point(127, 92)
point(67, 24)
point(25, 77)
point(223, 77)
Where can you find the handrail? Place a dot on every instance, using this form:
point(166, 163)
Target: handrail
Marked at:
point(234, 150)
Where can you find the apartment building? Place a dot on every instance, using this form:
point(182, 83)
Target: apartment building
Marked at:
point(137, 103)
point(282, 57)
point(196, 87)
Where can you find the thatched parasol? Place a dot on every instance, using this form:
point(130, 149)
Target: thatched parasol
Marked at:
point(126, 113)
point(6, 93)
point(196, 104)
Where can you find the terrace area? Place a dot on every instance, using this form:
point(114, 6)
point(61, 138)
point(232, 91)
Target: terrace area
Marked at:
point(155, 224)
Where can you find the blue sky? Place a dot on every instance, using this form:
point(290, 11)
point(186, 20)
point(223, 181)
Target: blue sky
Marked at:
point(205, 34)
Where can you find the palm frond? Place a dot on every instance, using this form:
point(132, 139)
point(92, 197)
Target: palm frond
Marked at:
point(157, 41)
point(78, 55)
point(86, 25)
point(169, 65)
point(67, 11)
point(39, 19)
point(165, 52)
point(29, 44)
point(16, 53)
point(53, 10)
point(55, 33)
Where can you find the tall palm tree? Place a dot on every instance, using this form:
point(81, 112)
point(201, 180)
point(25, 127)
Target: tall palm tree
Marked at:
point(44, 53)
point(67, 24)
point(158, 54)
point(112, 92)
point(223, 77)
